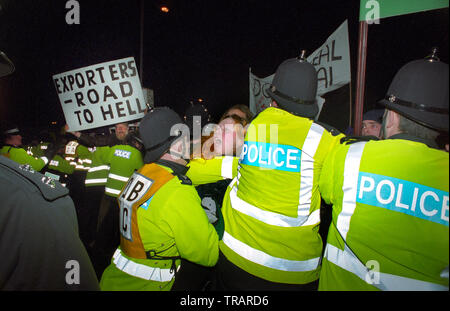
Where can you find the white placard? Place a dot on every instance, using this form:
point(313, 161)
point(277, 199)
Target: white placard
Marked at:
point(101, 94)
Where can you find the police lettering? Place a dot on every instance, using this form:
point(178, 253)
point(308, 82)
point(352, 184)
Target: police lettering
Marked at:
point(122, 153)
point(274, 156)
point(404, 196)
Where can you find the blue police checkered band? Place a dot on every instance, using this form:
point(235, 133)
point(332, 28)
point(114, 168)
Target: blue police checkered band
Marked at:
point(403, 196)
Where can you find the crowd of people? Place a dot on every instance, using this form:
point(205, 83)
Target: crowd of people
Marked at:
point(275, 201)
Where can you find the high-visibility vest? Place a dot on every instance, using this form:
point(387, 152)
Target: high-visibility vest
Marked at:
point(390, 217)
point(203, 171)
point(97, 174)
point(168, 222)
point(21, 156)
point(59, 169)
point(79, 156)
point(123, 160)
point(272, 208)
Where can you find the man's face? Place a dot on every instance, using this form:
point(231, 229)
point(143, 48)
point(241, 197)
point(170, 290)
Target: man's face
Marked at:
point(371, 128)
point(15, 140)
point(121, 130)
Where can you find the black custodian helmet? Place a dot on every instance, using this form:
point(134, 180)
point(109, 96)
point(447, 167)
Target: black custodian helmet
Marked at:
point(419, 91)
point(294, 87)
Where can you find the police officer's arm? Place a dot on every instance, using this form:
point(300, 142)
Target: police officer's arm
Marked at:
point(208, 171)
point(195, 238)
point(329, 178)
point(23, 157)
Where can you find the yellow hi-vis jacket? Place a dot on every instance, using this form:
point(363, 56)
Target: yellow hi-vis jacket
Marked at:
point(165, 222)
point(272, 208)
point(390, 217)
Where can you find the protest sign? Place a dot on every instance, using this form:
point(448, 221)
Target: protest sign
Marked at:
point(101, 94)
point(332, 63)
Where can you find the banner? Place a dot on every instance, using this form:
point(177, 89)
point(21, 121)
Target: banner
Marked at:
point(101, 94)
point(371, 10)
point(259, 99)
point(332, 63)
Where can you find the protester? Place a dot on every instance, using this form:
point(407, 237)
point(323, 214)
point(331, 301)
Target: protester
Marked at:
point(162, 220)
point(239, 110)
point(119, 135)
point(390, 197)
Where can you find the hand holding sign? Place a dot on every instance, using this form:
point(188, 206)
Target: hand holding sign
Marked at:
point(100, 95)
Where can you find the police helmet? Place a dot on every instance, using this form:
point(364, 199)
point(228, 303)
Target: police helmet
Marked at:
point(419, 91)
point(294, 87)
point(155, 133)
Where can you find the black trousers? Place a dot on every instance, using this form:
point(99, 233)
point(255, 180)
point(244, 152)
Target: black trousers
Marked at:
point(194, 277)
point(229, 277)
point(107, 237)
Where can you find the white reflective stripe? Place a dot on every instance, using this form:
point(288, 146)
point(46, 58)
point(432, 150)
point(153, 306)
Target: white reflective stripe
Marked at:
point(350, 186)
point(313, 219)
point(95, 180)
point(141, 271)
point(309, 149)
point(113, 191)
point(118, 177)
point(81, 167)
point(267, 217)
point(266, 260)
point(99, 168)
point(349, 262)
point(45, 160)
point(87, 161)
point(227, 167)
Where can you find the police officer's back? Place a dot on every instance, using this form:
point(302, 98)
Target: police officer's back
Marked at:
point(39, 244)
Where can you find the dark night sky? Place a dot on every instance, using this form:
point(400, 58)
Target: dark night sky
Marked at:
point(202, 48)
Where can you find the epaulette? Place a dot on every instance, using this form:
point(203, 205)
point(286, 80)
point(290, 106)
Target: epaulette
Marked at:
point(184, 179)
point(329, 128)
point(49, 188)
point(348, 140)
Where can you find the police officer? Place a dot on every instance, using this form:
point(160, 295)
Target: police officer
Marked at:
point(123, 160)
point(12, 148)
point(39, 245)
point(391, 197)
point(272, 208)
point(161, 218)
